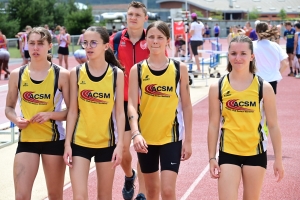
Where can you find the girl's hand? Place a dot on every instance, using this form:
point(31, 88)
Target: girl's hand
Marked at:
point(140, 144)
point(41, 117)
point(117, 156)
point(22, 123)
point(278, 170)
point(214, 168)
point(68, 155)
point(186, 151)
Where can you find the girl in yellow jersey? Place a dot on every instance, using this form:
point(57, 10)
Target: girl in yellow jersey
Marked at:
point(161, 86)
point(40, 87)
point(95, 122)
point(239, 101)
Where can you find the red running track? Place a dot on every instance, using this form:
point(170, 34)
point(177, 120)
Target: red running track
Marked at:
point(205, 188)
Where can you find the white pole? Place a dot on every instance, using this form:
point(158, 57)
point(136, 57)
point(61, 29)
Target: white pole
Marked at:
point(186, 7)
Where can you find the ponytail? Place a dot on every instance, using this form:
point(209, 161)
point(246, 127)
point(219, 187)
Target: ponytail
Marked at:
point(49, 57)
point(110, 58)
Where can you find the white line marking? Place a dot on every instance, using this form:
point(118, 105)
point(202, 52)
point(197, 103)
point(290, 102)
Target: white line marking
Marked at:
point(195, 183)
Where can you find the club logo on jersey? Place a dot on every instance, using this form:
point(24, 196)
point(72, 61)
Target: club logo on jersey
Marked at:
point(146, 78)
point(227, 94)
point(240, 106)
point(157, 91)
point(25, 84)
point(123, 43)
point(33, 98)
point(82, 82)
point(94, 97)
point(143, 44)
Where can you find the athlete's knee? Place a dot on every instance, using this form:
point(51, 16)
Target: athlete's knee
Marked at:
point(79, 197)
point(152, 192)
point(168, 192)
point(21, 196)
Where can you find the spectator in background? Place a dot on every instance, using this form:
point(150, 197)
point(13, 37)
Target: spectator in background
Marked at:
point(289, 35)
point(248, 28)
point(80, 39)
point(123, 26)
point(217, 30)
point(19, 36)
point(253, 35)
point(196, 32)
point(64, 40)
point(235, 31)
point(25, 44)
point(4, 55)
point(207, 31)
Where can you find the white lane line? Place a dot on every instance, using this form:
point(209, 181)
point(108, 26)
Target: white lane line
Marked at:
point(195, 183)
point(3, 87)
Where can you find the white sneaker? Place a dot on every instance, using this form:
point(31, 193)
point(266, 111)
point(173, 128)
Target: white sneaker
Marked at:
point(297, 76)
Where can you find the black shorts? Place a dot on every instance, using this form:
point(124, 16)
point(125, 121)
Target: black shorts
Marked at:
point(49, 148)
point(168, 154)
point(195, 45)
point(26, 54)
point(63, 51)
point(274, 86)
point(298, 56)
point(290, 50)
point(256, 160)
point(127, 125)
point(99, 154)
point(216, 34)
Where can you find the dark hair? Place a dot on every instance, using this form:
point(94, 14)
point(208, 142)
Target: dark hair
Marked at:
point(263, 31)
point(288, 23)
point(297, 25)
point(109, 54)
point(161, 26)
point(243, 39)
point(137, 4)
point(45, 35)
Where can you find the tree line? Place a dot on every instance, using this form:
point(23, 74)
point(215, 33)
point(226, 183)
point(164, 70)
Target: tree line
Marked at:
point(17, 14)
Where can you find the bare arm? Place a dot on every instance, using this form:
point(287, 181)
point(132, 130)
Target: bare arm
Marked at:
point(139, 142)
point(63, 84)
point(71, 117)
point(79, 39)
point(271, 115)
point(213, 128)
point(283, 65)
point(187, 112)
point(11, 101)
point(295, 42)
point(120, 117)
point(68, 39)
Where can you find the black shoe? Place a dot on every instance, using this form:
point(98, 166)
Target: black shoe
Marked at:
point(218, 75)
point(140, 196)
point(212, 76)
point(128, 189)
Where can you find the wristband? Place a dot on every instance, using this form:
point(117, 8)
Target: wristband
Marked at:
point(212, 159)
point(138, 133)
point(133, 132)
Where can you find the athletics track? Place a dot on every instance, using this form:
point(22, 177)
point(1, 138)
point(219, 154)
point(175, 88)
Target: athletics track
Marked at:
point(194, 182)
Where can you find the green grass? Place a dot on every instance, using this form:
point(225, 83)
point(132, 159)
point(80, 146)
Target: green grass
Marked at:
point(15, 53)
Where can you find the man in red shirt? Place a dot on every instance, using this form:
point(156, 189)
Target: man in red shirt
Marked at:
point(131, 50)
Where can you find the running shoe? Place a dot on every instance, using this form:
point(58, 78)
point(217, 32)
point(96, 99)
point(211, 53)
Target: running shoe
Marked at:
point(291, 74)
point(128, 189)
point(298, 75)
point(140, 196)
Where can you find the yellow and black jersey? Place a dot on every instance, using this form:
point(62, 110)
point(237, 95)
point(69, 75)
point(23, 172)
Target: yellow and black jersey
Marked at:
point(160, 110)
point(40, 96)
point(242, 118)
point(96, 123)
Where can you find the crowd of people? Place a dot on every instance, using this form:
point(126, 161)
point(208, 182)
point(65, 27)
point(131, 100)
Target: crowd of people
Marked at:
point(143, 97)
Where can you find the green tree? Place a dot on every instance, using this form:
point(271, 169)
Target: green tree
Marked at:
point(78, 20)
point(282, 14)
point(8, 27)
point(199, 13)
point(254, 14)
point(216, 15)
